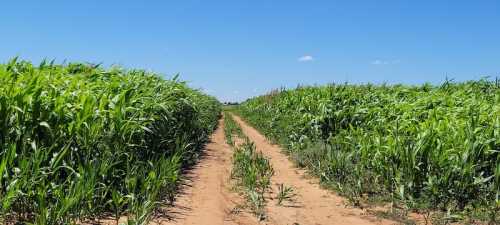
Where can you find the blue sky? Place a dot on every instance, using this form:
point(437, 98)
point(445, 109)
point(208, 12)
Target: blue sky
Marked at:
point(238, 49)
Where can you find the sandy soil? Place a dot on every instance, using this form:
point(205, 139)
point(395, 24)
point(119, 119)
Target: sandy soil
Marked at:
point(314, 205)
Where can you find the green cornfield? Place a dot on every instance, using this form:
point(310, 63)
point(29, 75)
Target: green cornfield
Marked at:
point(78, 141)
point(421, 147)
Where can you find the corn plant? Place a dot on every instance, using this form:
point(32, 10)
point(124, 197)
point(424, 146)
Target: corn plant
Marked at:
point(78, 141)
point(425, 147)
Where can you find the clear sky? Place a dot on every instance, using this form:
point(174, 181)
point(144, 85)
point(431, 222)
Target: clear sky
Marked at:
point(237, 49)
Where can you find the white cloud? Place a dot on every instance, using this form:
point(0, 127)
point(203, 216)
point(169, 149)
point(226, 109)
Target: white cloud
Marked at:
point(378, 62)
point(306, 58)
point(385, 62)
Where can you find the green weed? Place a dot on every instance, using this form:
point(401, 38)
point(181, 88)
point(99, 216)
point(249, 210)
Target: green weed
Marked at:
point(253, 172)
point(285, 194)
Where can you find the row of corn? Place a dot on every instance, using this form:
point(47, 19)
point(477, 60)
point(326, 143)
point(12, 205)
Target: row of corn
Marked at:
point(79, 142)
point(423, 148)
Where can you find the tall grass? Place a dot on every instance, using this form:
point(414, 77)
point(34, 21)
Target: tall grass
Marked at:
point(78, 141)
point(422, 147)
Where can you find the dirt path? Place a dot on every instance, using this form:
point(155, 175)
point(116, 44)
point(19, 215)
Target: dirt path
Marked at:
point(314, 204)
point(206, 198)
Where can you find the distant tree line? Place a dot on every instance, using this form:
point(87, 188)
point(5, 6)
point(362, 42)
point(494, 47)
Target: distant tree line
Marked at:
point(231, 103)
